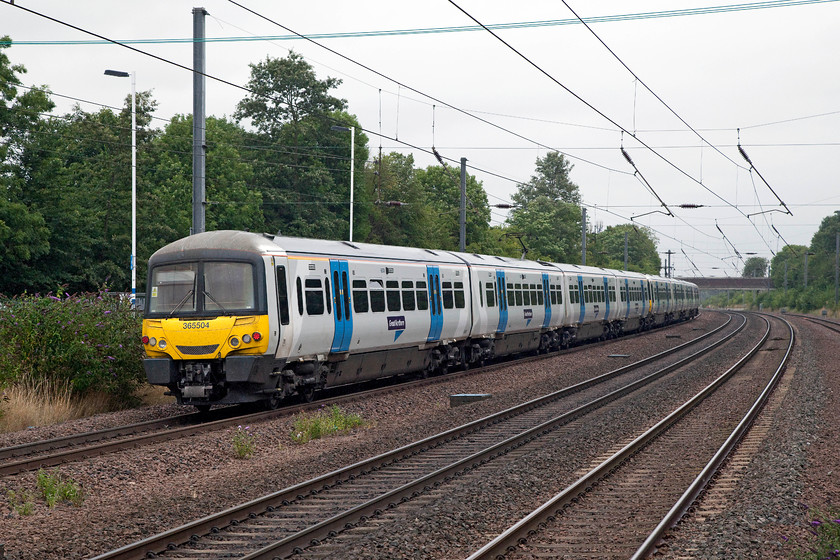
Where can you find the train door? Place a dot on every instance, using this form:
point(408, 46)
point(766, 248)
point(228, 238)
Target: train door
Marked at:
point(582, 299)
point(607, 298)
point(501, 293)
point(436, 326)
point(547, 299)
point(341, 307)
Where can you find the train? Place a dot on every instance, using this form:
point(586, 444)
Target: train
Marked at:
point(239, 317)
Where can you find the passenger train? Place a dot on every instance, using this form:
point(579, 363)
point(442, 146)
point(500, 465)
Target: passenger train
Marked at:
point(234, 317)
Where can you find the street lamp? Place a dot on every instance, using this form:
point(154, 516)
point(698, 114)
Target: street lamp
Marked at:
point(121, 74)
point(352, 131)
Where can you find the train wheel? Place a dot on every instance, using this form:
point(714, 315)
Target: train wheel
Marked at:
point(307, 393)
point(273, 403)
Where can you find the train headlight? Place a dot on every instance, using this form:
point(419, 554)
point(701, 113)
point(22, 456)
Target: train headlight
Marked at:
point(145, 340)
point(152, 341)
point(234, 341)
point(246, 338)
point(162, 344)
point(257, 336)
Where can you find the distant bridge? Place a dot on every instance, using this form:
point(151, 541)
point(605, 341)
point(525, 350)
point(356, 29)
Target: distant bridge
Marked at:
point(713, 286)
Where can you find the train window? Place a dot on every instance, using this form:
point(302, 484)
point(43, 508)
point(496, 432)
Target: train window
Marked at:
point(526, 296)
point(448, 299)
point(535, 295)
point(511, 296)
point(346, 292)
point(377, 296)
point(392, 295)
point(540, 299)
point(490, 294)
point(314, 296)
point(327, 294)
point(228, 285)
point(480, 295)
point(422, 296)
point(408, 295)
point(552, 290)
point(282, 296)
point(517, 294)
point(460, 299)
point(360, 296)
point(300, 296)
point(337, 295)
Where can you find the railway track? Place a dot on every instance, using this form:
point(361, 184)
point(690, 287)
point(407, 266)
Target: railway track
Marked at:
point(303, 519)
point(58, 451)
point(623, 506)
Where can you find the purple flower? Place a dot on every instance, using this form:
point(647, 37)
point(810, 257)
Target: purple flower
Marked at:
point(816, 523)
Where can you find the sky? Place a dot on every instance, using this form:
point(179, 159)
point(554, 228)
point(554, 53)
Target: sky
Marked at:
point(678, 93)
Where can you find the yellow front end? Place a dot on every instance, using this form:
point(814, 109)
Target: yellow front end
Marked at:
point(205, 339)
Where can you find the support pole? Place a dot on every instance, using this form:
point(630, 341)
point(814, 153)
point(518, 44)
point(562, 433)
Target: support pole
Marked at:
point(463, 219)
point(199, 131)
point(583, 237)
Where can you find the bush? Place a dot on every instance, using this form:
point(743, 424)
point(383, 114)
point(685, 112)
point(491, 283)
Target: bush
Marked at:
point(244, 442)
point(56, 488)
point(89, 341)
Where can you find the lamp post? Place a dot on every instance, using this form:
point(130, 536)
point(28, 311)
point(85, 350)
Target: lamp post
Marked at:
point(121, 74)
point(352, 130)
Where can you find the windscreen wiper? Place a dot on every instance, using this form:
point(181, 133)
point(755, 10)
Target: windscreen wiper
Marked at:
point(222, 307)
point(183, 301)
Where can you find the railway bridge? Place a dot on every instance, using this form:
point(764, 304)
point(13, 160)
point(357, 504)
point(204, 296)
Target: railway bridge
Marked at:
point(712, 286)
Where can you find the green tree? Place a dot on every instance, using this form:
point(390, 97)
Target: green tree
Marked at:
point(78, 175)
point(301, 164)
point(547, 212)
point(789, 263)
point(824, 247)
point(23, 234)
point(607, 249)
point(442, 191)
point(394, 180)
point(231, 204)
point(755, 267)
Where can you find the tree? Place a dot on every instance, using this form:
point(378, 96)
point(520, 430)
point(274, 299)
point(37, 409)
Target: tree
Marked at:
point(789, 263)
point(442, 191)
point(607, 249)
point(166, 188)
point(547, 212)
point(755, 267)
point(824, 247)
point(24, 237)
point(301, 165)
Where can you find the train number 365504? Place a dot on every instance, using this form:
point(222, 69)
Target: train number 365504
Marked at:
point(197, 325)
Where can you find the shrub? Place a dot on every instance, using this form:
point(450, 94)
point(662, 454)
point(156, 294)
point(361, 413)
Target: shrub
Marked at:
point(88, 341)
point(323, 423)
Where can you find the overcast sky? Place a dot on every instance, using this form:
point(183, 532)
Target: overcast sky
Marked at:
point(772, 72)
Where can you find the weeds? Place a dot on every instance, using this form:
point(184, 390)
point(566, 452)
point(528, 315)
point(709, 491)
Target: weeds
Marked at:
point(244, 442)
point(23, 503)
point(323, 423)
point(56, 488)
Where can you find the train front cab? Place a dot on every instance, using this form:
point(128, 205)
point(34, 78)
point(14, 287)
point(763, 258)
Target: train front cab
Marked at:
point(207, 329)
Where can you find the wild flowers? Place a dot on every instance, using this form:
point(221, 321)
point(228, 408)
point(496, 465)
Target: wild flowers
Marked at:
point(244, 442)
point(323, 423)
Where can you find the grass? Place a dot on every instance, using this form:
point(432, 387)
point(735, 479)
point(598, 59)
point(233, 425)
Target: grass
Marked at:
point(46, 402)
point(325, 422)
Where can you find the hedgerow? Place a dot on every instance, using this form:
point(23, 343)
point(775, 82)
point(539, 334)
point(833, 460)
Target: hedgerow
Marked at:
point(89, 342)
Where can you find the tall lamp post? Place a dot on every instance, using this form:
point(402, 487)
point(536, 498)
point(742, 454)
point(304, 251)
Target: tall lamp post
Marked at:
point(352, 130)
point(121, 74)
